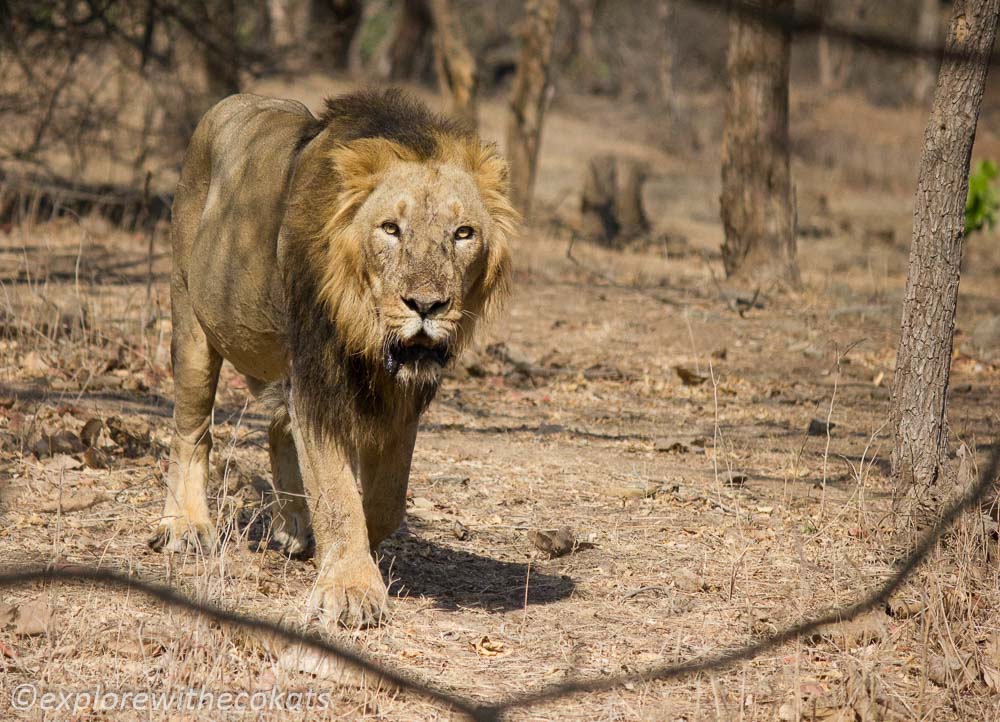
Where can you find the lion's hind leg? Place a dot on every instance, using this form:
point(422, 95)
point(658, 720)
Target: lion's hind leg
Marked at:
point(186, 523)
point(289, 510)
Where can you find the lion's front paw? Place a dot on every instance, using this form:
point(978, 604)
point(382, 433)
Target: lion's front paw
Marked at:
point(179, 535)
point(351, 593)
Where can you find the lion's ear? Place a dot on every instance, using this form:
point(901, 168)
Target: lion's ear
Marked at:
point(358, 166)
point(492, 177)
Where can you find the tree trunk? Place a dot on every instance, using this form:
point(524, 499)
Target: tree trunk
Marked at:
point(834, 58)
point(758, 203)
point(665, 13)
point(586, 51)
point(927, 331)
point(332, 24)
point(925, 69)
point(455, 65)
point(410, 33)
point(524, 131)
point(220, 49)
point(611, 207)
point(282, 22)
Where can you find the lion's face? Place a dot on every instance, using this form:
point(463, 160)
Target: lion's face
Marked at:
point(413, 252)
point(426, 233)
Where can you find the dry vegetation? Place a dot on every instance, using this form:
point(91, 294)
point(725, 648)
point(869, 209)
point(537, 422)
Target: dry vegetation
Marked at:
point(626, 396)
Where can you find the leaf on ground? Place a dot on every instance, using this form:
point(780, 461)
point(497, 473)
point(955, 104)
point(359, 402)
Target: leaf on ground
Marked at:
point(689, 377)
point(688, 581)
point(134, 647)
point(61, 462)
point(486, 647)
point(554, 542)
point(904, 607)
point(865, 630)
point(26, 620)
point(76, 501)
point(957, 671)
point(308, 661)
point(425, 509)
point(632, 491)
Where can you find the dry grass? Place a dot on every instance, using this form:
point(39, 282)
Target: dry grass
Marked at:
point(677, 561)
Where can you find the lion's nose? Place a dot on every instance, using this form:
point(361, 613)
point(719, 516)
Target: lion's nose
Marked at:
point(426, 304)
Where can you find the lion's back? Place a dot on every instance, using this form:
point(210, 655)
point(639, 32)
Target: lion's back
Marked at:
point(227, 214)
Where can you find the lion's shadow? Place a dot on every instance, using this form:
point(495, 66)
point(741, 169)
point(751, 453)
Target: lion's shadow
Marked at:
point(456, 578)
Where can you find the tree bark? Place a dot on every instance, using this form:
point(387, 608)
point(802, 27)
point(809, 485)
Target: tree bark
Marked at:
point(410, 33)
point(586, 51)
point(222, 57)
point(611, 207)
point(332, 24)
point(928, 28)
point(664, 12)
point(455, 65)
point(282, 23)
point(923, 363)
point(834, 59)
point(758, 203)
point(524, 131)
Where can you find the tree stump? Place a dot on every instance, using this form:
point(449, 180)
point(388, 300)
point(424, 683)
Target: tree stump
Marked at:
point(611, 207)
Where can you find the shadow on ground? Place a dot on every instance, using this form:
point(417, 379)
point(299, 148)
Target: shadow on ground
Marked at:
point(456, 578)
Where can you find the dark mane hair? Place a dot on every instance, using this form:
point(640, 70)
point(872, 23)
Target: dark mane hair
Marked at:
point(388, 113)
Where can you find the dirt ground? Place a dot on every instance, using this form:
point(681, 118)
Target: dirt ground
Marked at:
point(661, 417)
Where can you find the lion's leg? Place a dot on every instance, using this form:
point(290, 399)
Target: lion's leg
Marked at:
point(186, 522)
point(289, 512)
point(349, 587)
point(385, 472)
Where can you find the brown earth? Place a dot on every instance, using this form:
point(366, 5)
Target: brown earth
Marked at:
point(631, 397)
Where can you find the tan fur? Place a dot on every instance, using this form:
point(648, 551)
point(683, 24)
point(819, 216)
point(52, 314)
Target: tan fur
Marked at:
point(283, 265)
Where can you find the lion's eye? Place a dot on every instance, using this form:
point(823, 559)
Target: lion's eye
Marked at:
point(391, 228)
point(463, 233)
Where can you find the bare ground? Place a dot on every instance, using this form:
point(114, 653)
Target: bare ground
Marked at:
point(705, 513)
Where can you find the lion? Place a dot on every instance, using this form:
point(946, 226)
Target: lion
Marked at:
point(340, 263)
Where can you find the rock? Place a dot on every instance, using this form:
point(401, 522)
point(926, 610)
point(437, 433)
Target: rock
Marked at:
point(555, 543)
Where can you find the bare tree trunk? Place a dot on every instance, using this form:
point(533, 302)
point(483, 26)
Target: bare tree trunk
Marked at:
point(664, 12)
point(586, 51)
point(925, 69)
point(834, 59)
point(611, 207)
point(220, 49)
point(524, 131)
point(758, 203)
point(331, 27)
point(456, 67)
point(282, 22)
point(923, 364)
point(410, 33)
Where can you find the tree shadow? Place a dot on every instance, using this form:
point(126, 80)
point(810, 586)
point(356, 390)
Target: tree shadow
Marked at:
point(456, 578)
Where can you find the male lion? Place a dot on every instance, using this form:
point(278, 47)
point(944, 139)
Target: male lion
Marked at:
point(344, 261)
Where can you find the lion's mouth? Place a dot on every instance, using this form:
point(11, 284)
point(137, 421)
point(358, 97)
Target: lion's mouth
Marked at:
point(415, 351)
